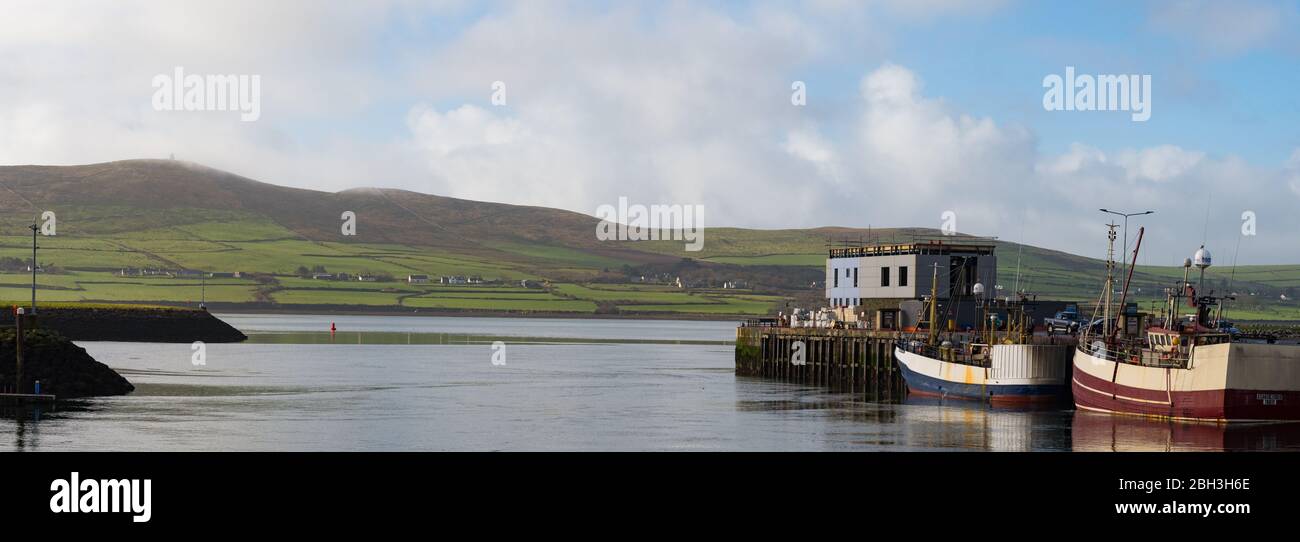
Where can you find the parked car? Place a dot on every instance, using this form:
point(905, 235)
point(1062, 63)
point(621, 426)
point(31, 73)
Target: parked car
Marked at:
point(1066, 321)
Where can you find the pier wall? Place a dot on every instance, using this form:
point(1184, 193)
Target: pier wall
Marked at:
point(853, 360)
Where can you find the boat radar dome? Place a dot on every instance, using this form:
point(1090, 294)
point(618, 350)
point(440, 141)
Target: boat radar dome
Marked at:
point(977, 289)
point(1202, 258)
point(1187, 262)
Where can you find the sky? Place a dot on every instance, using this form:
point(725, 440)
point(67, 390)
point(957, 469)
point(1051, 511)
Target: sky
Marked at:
point(912, 109)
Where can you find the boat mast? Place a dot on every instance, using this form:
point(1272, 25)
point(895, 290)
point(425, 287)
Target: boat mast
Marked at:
point(1123, 297)
point(1110, 279)
point(934, 296)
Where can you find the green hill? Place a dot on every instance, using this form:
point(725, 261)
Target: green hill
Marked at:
point(171, 216)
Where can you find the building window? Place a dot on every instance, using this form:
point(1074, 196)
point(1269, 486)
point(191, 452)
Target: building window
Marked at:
point(855, 277)
point(837, 279)
point(884, 276)
point(902, 276)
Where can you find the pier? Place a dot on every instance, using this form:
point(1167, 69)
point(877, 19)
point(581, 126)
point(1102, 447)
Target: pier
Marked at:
point(850, 360)
point(11, 398)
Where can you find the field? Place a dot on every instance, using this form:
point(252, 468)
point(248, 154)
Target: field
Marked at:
point(86, 270)
point(116, 218)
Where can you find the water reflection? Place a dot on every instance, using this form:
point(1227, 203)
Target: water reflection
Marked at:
point(1098, 432)
point(892, 421)
point(26, 418)
point(936, 424)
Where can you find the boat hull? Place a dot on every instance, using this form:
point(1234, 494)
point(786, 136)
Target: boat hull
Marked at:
point(1018, 374)
point(1223, 383)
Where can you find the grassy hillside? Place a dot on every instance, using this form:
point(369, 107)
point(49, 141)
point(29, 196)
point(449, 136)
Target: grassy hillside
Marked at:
point(170, 215)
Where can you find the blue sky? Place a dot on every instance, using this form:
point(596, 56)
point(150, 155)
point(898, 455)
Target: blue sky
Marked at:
point(991, 63)
point(915, 107)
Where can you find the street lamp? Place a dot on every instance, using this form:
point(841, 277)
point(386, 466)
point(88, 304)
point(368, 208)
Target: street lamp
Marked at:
point(1124, 268)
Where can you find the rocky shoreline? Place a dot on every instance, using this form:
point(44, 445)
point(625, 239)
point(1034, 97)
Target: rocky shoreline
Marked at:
point(64, 369)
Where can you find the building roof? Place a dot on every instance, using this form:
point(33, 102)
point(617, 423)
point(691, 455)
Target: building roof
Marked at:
point(924, 247)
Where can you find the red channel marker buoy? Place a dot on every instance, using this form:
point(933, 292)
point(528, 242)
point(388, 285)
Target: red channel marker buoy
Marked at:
point(332, 328)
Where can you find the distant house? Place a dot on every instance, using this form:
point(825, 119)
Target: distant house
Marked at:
point(417, 279)
point(342, 276)
point(530, 284)
point(222, 275)
point(188, 273)
point(734, 284)
point(475, 279)
point(366, 278)
point(322, 276)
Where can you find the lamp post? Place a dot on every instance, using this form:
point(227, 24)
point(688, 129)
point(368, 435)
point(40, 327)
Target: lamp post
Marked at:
point(1124, 255)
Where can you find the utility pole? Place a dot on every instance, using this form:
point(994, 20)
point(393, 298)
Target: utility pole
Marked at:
point(35, 228)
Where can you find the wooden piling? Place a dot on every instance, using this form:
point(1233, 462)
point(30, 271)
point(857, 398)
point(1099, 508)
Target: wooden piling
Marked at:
point(18, 354)
point(852, 360)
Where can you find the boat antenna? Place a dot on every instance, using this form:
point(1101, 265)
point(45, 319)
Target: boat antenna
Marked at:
point(1205, 234)
point(1020, 249)
point(1231, 277)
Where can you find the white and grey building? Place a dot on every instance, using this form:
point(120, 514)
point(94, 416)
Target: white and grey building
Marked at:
point(905, 271)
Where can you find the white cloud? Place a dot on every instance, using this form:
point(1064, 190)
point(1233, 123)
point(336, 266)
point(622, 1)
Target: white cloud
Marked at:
point(670, 103)
point(1158, 163)
point(1293, 171)
point(809, 145)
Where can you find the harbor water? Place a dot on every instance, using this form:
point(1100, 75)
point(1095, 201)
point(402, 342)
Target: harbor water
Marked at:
point(400, 383)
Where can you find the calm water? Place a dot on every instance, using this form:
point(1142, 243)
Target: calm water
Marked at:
point(290, 388)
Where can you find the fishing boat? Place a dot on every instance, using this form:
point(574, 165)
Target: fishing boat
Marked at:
point(1001, 366)
point(1181, 366)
